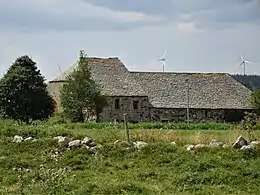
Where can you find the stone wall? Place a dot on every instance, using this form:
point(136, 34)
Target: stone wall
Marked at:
point(196, 115)
point(145, 111)
point(126, 105)
point(54, 89)
point(110, 113)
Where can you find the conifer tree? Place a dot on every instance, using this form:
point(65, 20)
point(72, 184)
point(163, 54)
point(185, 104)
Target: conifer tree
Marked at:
point(23, 92)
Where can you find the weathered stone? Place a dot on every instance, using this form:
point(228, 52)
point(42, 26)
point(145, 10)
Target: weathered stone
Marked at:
point(85, 146)
point(139, 144)
point(240, 142)
point(255, 143)
point(215, 144)
point(92, 144)
point(173, 143)
point(200, 146)
point(17, 139)
point(197, 115)
point(247, 147)
point(122, 143)
point(96, 148)
point(28, 139)
point(58, 138)
point(190, 147)
point(62, 140)
point(141, 113)
point(74, 144)
point(86, 140)
point(225, 146)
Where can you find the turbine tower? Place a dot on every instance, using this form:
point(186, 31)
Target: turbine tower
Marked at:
point(163, 60)
point(243, 63)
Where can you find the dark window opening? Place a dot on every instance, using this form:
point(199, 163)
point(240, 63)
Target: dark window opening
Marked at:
point(135, 105)
point(117, 105)
point(206, 113)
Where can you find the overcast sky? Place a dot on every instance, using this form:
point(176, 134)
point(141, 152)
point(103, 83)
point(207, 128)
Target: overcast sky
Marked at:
point(200, 35)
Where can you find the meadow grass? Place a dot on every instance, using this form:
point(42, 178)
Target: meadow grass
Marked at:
point(160, 168)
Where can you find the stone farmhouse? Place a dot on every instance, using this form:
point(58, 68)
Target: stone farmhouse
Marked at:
point(163, 96)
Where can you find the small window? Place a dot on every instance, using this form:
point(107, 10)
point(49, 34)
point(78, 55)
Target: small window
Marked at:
point(135, 105)
point(206, 113)
point(117, 106)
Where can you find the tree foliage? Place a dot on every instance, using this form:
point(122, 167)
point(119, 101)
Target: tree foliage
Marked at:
point(23, 93)
point(252, 82)
point(255, 100)
point(81, 97)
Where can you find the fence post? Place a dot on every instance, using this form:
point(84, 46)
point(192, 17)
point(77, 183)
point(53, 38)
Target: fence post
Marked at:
point(127, 129)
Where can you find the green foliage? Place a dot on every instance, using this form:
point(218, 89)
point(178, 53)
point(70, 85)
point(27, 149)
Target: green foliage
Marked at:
point(23, 93)
point(250, 120)
point(252, 82)
point(255, 100)
point(173, 126)
point(250, 124)
point(80, 96)
point(159, 168)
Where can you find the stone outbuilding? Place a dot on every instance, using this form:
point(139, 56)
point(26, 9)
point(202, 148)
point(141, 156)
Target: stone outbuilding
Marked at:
point(163, 96)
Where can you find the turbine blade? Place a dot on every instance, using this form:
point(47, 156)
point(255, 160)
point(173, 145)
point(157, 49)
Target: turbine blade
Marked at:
point(59, 69)
point(249, 62)
point(241, 57)
point(246, 61)
point(164, 54)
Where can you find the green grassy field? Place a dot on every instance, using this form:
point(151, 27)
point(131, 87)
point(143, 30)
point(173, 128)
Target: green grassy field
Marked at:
point(159, 168)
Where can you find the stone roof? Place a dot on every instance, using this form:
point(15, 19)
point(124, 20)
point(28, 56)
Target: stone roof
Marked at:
point(206, 90)
point(111, 75)
point(168, 90)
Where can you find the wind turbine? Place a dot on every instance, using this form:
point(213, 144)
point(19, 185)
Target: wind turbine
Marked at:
point(59, 69)
point(163, 59)
point(244, 62)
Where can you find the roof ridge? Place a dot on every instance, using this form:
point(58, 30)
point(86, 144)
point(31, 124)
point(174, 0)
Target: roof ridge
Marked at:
point(151, 72)
point(92, 60)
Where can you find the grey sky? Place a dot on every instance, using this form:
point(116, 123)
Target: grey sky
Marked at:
point(201, 35)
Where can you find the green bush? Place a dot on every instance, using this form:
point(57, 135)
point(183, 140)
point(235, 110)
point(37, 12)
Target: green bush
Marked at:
point(173, 126)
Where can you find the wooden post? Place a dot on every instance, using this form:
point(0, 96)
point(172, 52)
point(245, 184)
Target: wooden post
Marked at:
point(127, 129)
point(188, 101)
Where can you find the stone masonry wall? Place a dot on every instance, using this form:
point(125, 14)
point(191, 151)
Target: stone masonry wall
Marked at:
point(145, 112)
point(126, 105)
point(54, 90)
point(196, 115)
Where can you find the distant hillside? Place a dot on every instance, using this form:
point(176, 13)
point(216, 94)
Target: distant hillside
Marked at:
point(250, 81)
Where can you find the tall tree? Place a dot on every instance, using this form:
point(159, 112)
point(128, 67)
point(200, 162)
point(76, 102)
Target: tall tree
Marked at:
point(255, 100)
point(23, 93)
point(81, 97)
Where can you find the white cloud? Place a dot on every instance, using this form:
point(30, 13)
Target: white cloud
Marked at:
point(186, 27)
point(67, 15)
point(53, 32)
